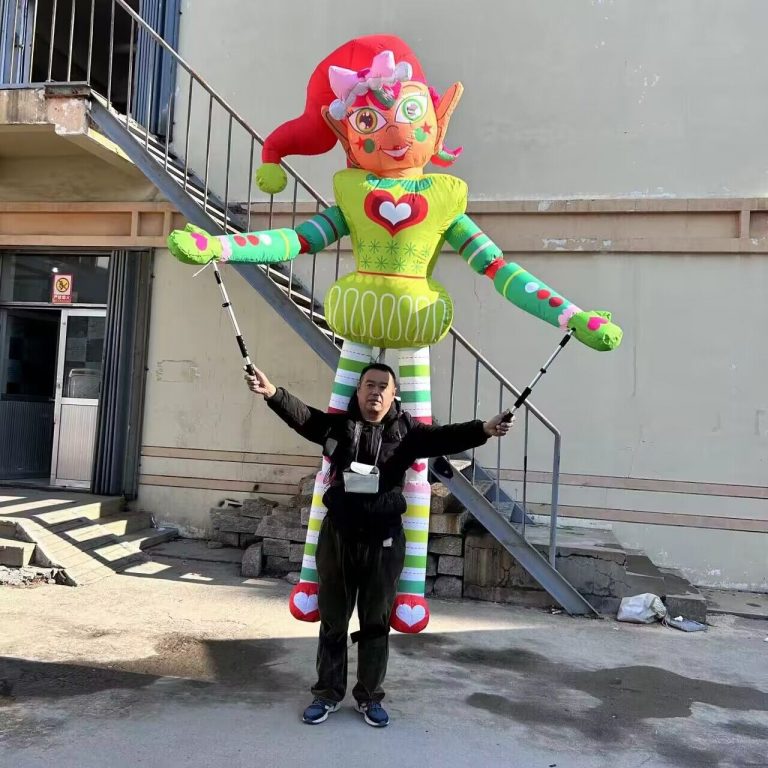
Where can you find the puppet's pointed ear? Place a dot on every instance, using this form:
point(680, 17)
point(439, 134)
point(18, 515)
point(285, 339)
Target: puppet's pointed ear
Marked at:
point(338, 128)
point(444, 110)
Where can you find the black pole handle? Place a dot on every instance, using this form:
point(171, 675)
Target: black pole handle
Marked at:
point(508, 414)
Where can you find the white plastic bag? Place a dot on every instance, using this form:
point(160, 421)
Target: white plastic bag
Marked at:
point(641, 609)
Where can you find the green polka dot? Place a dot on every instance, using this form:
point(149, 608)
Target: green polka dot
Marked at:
point(369, 146)
point(420, 134)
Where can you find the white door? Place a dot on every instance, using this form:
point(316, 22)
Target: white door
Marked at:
point(78, 385)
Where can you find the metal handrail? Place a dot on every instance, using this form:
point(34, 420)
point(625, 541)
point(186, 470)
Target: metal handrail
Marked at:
point(220, 208)
point(222, 102)
point(503, 380)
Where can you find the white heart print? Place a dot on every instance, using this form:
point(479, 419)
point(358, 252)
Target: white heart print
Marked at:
point(305, 603)
point(394, 214)
point(410, 614)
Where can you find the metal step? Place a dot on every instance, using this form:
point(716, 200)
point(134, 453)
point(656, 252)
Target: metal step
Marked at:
point(511, 539)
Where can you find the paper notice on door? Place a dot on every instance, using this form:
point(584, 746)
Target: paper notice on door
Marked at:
point(61, 289)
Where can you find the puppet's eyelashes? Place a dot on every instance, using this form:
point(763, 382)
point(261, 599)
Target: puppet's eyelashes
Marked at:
point(411, 109)
point(367, 120)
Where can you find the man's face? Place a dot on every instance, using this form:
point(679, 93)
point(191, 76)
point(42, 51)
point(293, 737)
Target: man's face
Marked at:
point(375, 394)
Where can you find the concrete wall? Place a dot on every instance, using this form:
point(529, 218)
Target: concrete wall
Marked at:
point(564, 98)
point(196, 397)
point(681, 400)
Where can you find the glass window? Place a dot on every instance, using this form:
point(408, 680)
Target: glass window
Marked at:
point(82, 356)
point(28, 353)
point(29, 277)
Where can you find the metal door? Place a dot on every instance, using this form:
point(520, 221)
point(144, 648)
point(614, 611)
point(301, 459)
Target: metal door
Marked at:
point(78, 388)
point(154, 73)
point(16, 23)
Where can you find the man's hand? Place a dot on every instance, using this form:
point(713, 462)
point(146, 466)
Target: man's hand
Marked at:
point(259, 384)
point(497, 427)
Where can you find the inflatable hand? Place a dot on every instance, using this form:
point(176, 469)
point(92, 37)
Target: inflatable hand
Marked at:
point(271, 178)
point(596, 330)
point(193, 245)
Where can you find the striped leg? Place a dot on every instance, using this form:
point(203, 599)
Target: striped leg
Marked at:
point(303, 599)
point(411, 612)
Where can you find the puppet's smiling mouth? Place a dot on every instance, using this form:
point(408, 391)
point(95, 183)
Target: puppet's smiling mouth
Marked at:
point(396, 152)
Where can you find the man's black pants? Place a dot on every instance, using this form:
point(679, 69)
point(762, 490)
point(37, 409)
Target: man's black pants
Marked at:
point(349, 570)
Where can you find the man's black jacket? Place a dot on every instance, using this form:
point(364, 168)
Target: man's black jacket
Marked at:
point(399, 441)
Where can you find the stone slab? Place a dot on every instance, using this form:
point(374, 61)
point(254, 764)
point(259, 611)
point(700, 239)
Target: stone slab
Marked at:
point(253, 561)
point(534, 598)
point(232, 521)
point(277, 547)
point(448, 586)
point(196, 549)
point(446, 545)
point(15, 554)
point(228, 539)
point(748, 605)
point(257, 508)
point(450, 566)
point(443, 501)
point(275, 527)
point(448, 523)
point(278, 566)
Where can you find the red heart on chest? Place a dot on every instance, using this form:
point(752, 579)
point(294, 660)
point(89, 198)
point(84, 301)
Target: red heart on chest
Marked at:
point(395, 215)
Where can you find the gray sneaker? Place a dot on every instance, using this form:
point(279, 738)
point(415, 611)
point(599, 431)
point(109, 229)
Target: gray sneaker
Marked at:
point(318, 711)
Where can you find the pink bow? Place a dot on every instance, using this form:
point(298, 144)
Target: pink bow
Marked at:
point(347, 84)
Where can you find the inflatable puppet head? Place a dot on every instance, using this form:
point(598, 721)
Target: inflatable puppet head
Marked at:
point(371, 95)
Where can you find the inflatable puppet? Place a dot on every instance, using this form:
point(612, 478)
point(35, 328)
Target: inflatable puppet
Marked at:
point(372, 96)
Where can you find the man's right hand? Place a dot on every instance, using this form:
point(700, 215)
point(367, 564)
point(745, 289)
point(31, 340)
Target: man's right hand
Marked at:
point(259, 384)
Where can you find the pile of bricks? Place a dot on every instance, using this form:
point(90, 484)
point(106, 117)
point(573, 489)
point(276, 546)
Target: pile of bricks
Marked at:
point(445, 550)
point(273, 537)
point(272, 534)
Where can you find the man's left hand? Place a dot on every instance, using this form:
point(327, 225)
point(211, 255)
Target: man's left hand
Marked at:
point(259, 384)
point(497, 427)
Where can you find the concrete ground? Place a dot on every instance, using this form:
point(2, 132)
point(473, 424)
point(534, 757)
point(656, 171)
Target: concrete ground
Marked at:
point(187, 664)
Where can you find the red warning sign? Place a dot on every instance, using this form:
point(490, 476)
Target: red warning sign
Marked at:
point(61, 289)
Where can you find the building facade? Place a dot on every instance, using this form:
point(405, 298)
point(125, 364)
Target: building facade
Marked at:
point(613, 148)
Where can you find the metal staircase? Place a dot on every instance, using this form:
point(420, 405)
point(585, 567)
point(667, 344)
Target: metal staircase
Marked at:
point(213, 188)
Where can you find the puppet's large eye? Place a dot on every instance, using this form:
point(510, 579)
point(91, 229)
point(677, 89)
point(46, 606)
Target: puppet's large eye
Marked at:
point(411, 109)
point(367, 120)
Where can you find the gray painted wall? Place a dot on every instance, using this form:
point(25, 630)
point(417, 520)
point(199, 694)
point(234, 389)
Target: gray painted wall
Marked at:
point(564, 98)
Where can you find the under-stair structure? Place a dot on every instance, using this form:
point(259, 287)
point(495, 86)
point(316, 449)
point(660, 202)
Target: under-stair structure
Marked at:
point(201, 154)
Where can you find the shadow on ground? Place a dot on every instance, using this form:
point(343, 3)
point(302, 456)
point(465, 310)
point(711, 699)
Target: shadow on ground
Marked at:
point(484, 675)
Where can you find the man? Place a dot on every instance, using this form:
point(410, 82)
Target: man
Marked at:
point(361, 547)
